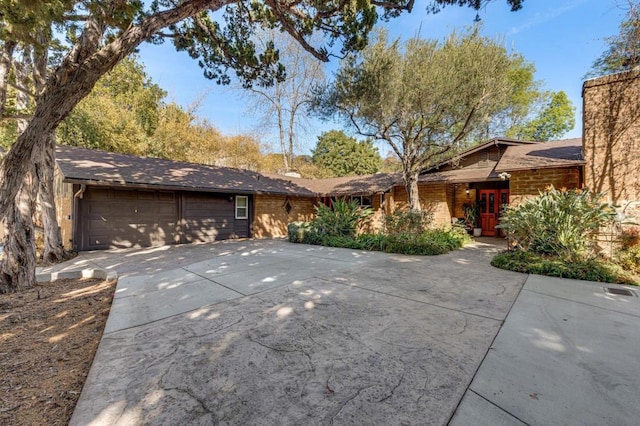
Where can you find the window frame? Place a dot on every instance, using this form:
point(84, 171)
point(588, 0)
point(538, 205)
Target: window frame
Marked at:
point(361, 198)
point(245, 207)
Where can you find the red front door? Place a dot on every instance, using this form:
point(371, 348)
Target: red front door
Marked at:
point(489, 209)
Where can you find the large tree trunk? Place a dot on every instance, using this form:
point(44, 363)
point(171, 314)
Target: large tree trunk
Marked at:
point(53, 250)
point(413, 195)
point(71, 81)
point(18, 269)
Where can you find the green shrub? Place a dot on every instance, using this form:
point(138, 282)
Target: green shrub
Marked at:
point(629, 259)
point(431, 242)
point(554, 266)
point(558, 222)
point(630, 238)
point(341, 220)
point(407, 222)
point(297, 230)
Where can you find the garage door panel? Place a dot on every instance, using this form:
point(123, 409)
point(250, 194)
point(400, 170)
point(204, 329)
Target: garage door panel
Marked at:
point(208, 217)
point(115, 218)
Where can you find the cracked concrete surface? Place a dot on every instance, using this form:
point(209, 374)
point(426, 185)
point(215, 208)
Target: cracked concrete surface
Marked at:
point(336, 337)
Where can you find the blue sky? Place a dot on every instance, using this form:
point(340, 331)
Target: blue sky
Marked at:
point(561, 37)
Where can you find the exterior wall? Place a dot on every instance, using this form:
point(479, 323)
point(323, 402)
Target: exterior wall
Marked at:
point(460, 198)
point(270, 219)
point(487, 158)
point(376, 221)
point(528, 183)
point(63, 194)
point(433, 198)
point(611, 139)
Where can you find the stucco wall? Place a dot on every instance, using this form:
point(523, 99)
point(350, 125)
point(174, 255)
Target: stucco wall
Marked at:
point(271, 219)
point(529, 183)
point(611, 139)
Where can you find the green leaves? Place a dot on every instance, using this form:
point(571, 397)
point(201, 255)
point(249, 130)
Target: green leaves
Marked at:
point(555, 119)
point(345, 156)
point(623, 52)
point(341, 219)
point(558, 222)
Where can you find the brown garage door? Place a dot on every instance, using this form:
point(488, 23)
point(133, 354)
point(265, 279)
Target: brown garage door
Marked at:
point(112, 217)
point(211, 217)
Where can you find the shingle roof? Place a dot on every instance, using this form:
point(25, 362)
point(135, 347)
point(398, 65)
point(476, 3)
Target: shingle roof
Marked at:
point(349, 185)
point(107, 168)
point(469, 174)
point(561, 153)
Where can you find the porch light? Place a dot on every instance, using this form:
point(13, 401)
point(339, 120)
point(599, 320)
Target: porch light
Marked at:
point(468, 193)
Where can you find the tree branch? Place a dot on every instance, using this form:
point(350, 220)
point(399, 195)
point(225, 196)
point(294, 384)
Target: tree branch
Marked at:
point(21, 89)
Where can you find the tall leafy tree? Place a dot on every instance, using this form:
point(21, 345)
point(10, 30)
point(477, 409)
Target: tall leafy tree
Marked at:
point(623, 51)
point(344, 155)
point(555, 118)
point(101, 33)
point(120, 115)
point(423, 98)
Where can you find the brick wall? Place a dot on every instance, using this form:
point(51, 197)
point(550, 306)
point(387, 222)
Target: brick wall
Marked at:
point(528, 183)
point(271, 219)
point(433, 198)
point(611, 139)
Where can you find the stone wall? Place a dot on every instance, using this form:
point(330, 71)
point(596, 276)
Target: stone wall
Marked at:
point(611, 139)
point(270, 217)
point(528, 183)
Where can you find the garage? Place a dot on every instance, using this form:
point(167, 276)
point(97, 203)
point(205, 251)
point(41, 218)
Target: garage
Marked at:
point(211, 217)
point(122, 218)
point(109, 200)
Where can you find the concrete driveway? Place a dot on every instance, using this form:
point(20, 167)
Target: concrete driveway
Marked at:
point(267, 332)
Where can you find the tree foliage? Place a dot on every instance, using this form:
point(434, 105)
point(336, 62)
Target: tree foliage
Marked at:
point(554, 119)
point(344, 155)
point(424, 98)
point(218, 32)
point(623, 51)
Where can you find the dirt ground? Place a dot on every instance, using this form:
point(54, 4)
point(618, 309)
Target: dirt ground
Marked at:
point(48, 338)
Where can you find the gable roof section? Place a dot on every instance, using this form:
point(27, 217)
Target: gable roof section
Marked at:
point(480, 147)
point(544, 155)
point(81, 165)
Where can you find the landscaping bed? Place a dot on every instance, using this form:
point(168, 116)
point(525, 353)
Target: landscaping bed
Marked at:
point(598, 270)
point(48, 337)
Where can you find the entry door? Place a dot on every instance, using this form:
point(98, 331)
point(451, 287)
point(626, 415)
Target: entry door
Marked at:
point(489, 209)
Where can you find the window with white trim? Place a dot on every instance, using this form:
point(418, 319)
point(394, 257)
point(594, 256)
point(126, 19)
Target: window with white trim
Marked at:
point(242, 207)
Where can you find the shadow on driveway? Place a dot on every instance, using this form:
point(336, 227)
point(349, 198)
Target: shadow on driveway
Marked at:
point(304, 335)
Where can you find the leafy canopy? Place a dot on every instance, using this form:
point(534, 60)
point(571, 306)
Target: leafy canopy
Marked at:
point(344, 155)
point(555, 118)
point(423, 98)
point(623, 52)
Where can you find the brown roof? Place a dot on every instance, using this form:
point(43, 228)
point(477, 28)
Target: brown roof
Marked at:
point(83, 165)
point(349, 185)
point(543, 155)
point(480, 147)
point(468, 174)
